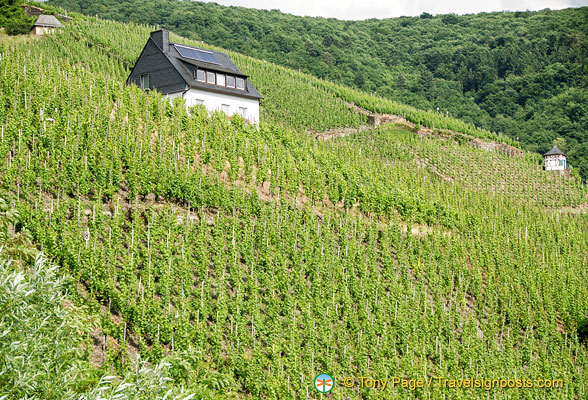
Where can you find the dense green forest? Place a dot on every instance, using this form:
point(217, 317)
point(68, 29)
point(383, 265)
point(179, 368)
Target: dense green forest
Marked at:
point(13, 19)
point(150, 251)
point(521, 73)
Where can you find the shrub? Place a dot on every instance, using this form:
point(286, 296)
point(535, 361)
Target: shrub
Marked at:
point(40, 346)
point(13, 18)
point(583, 330)
point(18, 26)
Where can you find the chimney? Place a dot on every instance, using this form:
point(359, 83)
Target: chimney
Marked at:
point(161, 38)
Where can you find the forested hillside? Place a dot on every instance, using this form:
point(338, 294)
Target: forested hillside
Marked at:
point(243, 261)
point(521, 73)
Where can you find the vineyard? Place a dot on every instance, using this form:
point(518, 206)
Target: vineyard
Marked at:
point(518, 176)
point(259, 258)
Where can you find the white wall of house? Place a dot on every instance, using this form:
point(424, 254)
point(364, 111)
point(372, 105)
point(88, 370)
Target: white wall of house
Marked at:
point(42, 30)
point(555, 162)
point(247, 108)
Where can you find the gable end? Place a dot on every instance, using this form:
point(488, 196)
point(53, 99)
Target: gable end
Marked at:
point(163, 76)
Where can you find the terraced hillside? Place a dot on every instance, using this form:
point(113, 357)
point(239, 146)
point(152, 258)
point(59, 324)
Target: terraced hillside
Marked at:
point(263, 257)
point(471, 165)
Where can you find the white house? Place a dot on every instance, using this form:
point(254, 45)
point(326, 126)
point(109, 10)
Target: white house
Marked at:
point(45, 24)
point(555, 160)
point(197, 75)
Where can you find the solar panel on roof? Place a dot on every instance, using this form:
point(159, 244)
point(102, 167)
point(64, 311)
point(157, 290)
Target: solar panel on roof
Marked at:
point(197, 54)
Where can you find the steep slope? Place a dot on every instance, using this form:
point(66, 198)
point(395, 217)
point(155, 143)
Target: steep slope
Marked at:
point(46, 339)
point(520, 73)
point(291, 99)
point(272, 256)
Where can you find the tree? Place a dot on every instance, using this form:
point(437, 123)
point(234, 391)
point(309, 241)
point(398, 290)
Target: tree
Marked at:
point(401, 82)
point(450, 19)
point(13, 18)
point(561, 143)
point(425, 81)
point(583, 330)
point(18, 26)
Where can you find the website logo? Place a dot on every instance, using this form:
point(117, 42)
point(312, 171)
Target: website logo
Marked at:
point(324, 383)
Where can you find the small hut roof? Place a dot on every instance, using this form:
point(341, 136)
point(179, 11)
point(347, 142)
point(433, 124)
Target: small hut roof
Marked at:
point(554, 152)
point(48, 20)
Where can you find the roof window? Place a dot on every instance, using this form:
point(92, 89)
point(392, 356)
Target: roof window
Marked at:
point(220, 79)
point(201, 75)
point(240, 83)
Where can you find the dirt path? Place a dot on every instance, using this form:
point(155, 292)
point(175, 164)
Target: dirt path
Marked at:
point(376, 119)
point(339, 132)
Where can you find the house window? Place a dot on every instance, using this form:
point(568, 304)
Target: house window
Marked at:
point(240, 83)
point(230, 81)
point(198, 101)
point(210, 77)
point(243, 111)
point(225, 108)
point(201, 75)
point(145, 81)
point(220, 79)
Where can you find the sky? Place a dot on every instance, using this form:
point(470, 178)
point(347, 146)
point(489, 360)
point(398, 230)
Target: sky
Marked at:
point(364, 9)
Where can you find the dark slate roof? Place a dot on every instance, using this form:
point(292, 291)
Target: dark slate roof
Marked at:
point(183, 64)
point(48, 20)
point(185, 67)
point(554, 152)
